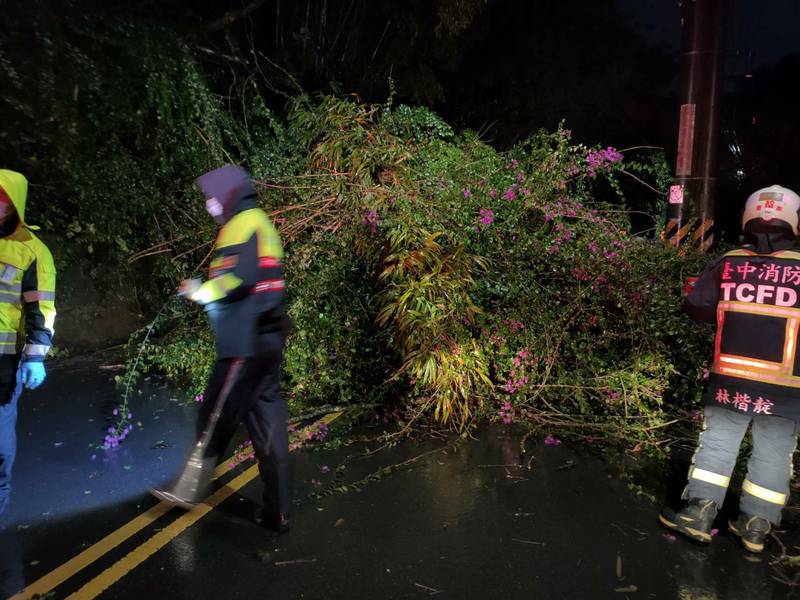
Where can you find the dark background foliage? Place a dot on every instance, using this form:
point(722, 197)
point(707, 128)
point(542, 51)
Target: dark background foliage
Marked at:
point(112, 108)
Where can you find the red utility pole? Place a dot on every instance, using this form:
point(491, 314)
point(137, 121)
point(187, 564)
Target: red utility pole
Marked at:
point(690, 213)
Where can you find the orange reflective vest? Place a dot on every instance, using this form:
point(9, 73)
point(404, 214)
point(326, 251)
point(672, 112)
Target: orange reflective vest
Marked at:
point(755, 301)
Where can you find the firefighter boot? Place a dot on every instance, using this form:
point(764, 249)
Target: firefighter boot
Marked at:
point(277, 524)
point(752, 530)
point(694, 521)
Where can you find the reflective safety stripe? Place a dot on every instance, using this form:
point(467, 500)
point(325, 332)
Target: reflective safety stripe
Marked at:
point(37, 296)
point(269, 285)
point(8, 348)
point(222, 265)
point(758, 376)
point(36, 350)
point(10, 287)
point(710, 477)
point(269, 262)
point(778, 372)
point(778, 254)
point(763, 493)
point(216, 289)
point(8, 337)
point(759, 309)
point(10, 297)
point(747, 362)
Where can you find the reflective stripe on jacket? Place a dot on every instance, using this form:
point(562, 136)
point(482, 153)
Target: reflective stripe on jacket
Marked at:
point(755, 301)
point(245, 289)
point(27, 282)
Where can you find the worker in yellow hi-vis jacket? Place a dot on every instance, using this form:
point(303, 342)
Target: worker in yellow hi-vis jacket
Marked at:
point(244, 298)
point(27, 314)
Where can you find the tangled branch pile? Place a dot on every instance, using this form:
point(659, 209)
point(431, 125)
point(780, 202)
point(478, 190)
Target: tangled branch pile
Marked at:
point(426, 269)
point(429, 269)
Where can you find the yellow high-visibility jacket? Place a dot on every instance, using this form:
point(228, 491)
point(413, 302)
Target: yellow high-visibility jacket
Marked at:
point(245, 290)
point(27, 282)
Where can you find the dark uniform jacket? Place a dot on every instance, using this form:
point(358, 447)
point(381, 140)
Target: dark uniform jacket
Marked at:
point(755, 301)
point(244, 295)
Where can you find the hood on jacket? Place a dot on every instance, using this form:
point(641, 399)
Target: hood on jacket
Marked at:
point(16, 186)
point(231, 186)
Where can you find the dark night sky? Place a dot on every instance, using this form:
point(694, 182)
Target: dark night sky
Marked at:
point(505, 69)
point(766, 28)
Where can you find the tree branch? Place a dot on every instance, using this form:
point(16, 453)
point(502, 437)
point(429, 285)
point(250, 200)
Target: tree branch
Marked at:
point(234, 15)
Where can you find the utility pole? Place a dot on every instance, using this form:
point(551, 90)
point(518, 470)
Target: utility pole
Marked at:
point(690, 212)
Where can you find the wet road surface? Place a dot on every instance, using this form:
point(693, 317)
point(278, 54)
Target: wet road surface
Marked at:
point(474, 519)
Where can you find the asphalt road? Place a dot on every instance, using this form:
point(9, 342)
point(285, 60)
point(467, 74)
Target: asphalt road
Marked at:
point(476, 519)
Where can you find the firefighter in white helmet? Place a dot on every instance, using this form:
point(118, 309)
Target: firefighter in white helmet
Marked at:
point(753, 295)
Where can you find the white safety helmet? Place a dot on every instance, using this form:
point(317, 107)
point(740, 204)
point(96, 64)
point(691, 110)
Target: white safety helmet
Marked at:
point(773, 203)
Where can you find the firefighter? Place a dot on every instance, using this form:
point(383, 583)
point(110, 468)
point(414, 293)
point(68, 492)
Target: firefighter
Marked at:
point(753, 295)
point(244, 299)
point(27, 314)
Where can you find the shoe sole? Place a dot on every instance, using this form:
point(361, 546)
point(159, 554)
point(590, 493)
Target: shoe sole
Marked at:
point(754, 548)
point(695, 534)
point(172, 499)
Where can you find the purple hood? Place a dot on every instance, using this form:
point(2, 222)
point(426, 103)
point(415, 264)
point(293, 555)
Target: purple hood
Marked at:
point(231, 186)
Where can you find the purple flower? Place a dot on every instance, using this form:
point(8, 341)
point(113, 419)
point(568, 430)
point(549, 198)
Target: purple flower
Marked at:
point(199, 398)
point(320, 434)
point(371, 219)
point(486, 216)
point(610, 255)
point(467, 193)
point(506, 412)
point(492, 193)
point(601, 160)
point(510, 194)
point(115, 412)
point(549, 440)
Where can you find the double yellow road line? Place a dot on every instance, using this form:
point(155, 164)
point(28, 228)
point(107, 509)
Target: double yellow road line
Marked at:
point(133, 559)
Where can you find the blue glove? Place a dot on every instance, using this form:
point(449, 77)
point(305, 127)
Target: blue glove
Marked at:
point(31, 374)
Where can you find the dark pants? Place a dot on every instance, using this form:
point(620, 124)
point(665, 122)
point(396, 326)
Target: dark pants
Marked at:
point(10, 391)
point(253, 396)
